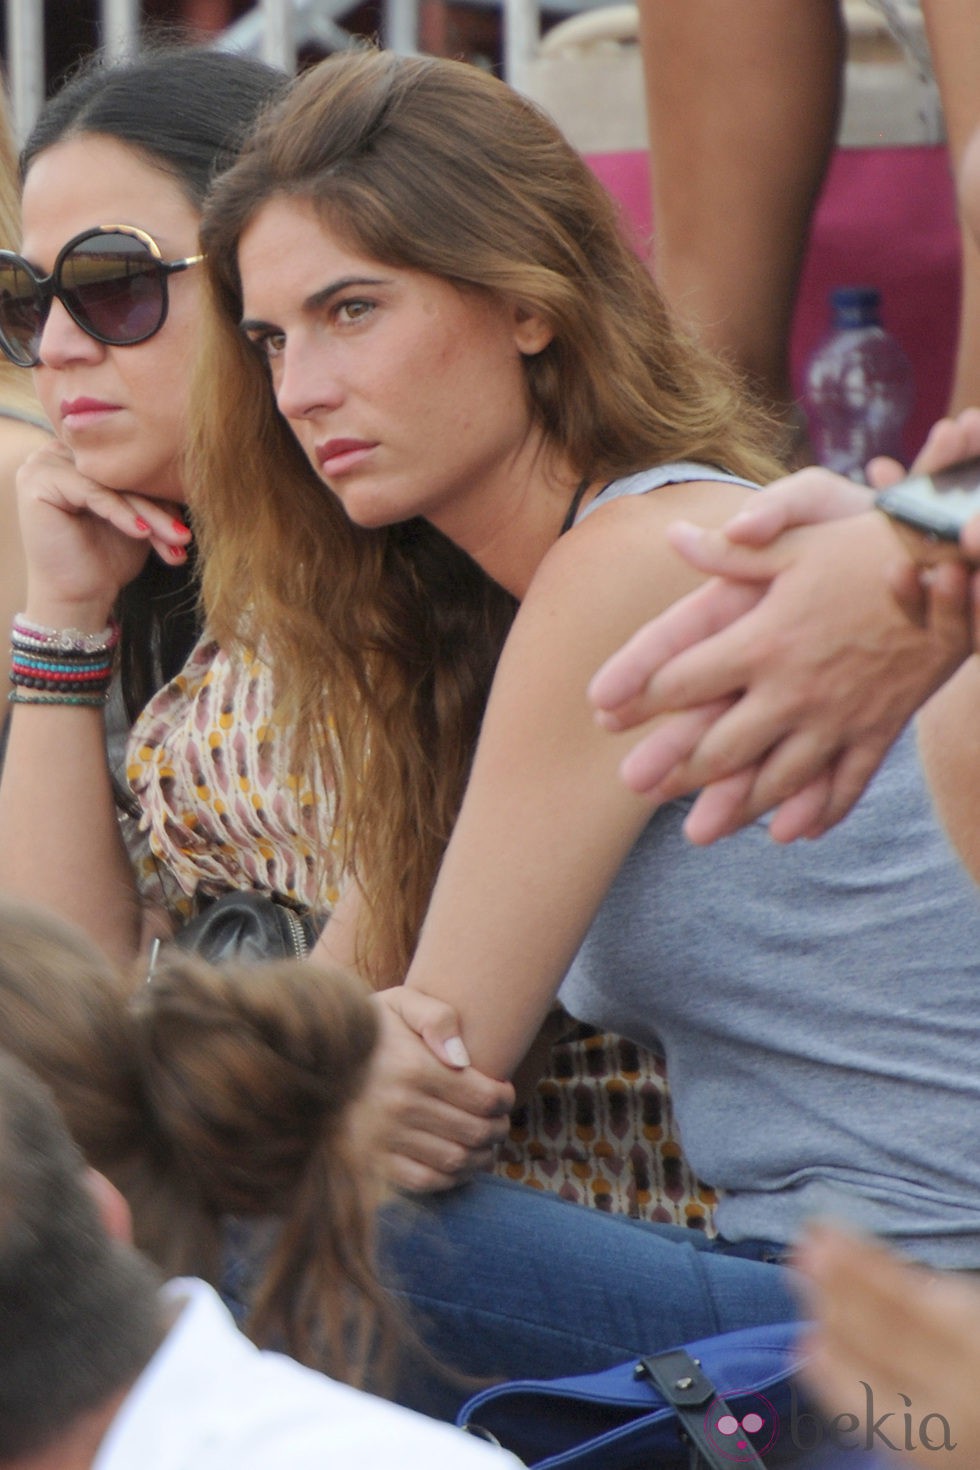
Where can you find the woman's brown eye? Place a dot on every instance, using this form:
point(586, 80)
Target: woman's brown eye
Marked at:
point(353, 311)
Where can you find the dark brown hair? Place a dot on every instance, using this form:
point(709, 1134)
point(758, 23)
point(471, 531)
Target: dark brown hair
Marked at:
point(184, 110)
point(213, 1093)
point(79, 1314)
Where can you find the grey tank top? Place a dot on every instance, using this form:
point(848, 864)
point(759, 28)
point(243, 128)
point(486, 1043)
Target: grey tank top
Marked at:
point(817, 1006)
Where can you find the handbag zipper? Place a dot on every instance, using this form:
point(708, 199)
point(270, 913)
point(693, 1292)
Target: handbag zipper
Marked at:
point(297, 934)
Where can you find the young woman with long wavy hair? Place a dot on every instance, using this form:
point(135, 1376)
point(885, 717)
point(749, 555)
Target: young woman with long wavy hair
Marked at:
point(476, 420)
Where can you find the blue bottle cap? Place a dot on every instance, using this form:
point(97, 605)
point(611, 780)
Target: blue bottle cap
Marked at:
point(856, 306)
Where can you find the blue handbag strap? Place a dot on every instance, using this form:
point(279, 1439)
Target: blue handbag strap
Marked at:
point(678, 1377)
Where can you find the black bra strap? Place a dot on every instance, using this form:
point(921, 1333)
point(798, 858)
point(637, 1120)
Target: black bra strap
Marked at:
point(569, 520)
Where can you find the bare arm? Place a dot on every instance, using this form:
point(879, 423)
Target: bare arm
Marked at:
point(546, 824)
point(59, 838)
point(17, 441)
point(337, 946)
point(437, 1118)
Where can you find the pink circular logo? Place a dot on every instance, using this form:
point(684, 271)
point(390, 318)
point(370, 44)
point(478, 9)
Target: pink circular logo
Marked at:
point(738, 1434)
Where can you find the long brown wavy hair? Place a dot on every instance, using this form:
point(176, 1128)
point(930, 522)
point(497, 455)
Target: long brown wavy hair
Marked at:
point(385, 640)
point(209, 1094)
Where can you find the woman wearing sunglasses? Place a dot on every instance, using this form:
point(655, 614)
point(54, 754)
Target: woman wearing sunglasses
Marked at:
point(102, 301)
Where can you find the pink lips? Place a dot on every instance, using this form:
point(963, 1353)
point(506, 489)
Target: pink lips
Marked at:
point(337, 456)
point(78, 411)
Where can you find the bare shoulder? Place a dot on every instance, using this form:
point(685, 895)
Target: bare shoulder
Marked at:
point(617, 566)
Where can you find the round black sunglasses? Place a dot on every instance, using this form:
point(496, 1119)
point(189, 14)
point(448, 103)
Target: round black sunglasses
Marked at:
point(111, 280)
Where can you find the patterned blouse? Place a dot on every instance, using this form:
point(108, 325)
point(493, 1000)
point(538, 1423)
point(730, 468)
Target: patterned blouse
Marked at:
point(220, 809)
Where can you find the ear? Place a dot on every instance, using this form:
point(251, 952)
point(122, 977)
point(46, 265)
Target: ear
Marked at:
point(112, 1207)
point(531, 332)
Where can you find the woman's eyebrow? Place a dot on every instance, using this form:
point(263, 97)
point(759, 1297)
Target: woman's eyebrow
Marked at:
point(318, 299)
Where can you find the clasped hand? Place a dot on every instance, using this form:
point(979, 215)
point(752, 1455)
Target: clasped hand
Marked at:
point(83, 541)
point(437, 1119)
point(786, 677)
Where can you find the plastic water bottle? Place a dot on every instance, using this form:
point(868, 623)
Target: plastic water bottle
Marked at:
point(858, 386)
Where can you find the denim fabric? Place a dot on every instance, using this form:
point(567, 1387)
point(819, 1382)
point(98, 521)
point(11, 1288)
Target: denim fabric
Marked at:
point(503, 1281)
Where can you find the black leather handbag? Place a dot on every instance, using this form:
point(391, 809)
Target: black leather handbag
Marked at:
point(249, 926)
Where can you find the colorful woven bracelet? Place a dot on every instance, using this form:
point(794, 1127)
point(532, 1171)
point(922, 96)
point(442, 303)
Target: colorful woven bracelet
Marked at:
point(60, 665)
point(52, 692)
point(74, 668)
point(22, 648)
point(21, 696)
point(28, 634)
point(25, 672)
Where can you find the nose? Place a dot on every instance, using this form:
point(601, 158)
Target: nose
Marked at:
point(306, 381)
point(63, 341)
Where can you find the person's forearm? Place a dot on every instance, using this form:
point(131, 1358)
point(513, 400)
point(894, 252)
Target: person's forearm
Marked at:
point(515, 897)
point(60, 843)
point(337, 945)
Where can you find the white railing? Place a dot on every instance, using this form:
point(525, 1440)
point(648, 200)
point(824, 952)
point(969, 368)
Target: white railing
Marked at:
point(272, 29)
point(121, 27)
point(25, 62)
point(276, 29)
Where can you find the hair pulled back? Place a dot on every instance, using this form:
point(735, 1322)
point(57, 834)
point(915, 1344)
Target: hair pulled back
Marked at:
point(214, 1093)
point(186, 110)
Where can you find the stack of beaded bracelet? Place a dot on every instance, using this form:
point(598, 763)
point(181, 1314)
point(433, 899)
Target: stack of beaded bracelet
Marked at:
point(60, 665)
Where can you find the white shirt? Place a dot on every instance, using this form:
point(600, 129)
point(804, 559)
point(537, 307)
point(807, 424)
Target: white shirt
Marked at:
point(210, 1400)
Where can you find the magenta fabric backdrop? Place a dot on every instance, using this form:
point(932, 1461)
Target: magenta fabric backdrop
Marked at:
point(887, 218)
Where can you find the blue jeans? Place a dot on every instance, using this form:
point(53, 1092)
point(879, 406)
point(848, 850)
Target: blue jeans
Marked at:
point(504, 1281)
